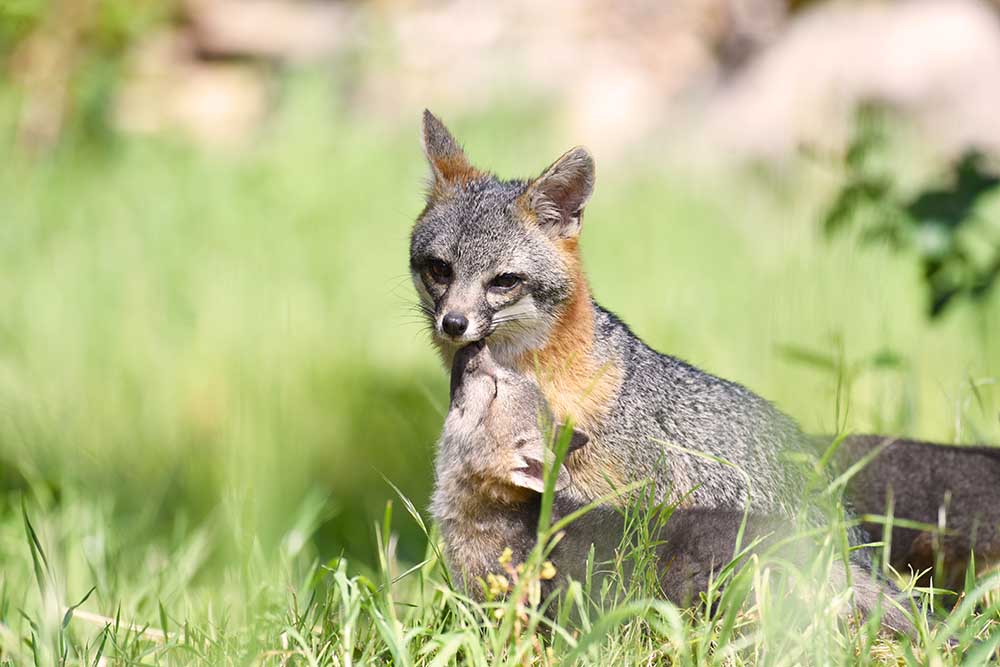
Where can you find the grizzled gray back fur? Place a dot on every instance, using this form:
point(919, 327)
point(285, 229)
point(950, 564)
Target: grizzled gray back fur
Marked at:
point(474, 224)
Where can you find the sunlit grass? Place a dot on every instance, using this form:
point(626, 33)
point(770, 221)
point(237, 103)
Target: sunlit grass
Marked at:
point(149, 605)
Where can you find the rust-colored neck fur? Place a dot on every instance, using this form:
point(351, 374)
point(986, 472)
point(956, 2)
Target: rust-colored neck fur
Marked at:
point(576, 384)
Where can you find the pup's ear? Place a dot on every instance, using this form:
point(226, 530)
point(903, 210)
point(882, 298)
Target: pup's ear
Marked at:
point(531, 475)
point(449, 166)
point(557, 197)
point(576, 440)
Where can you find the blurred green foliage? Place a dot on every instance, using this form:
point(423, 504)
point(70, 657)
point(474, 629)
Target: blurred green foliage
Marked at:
point(66, 58)
point(943, 227)
point(17, 19)
point(110, 25)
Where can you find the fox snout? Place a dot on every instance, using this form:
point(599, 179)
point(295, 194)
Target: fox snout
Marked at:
point(454, 324)
point(460, 316)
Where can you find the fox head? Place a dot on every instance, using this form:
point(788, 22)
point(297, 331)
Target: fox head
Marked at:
point(496, 259)
point(499, 430)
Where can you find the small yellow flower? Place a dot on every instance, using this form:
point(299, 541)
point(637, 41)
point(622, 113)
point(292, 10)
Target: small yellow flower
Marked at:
point(498, 584)
point(506, 556)
point(548, 571)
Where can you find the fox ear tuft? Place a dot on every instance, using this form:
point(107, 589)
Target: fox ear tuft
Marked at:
point(449, 166)
point(557, 197)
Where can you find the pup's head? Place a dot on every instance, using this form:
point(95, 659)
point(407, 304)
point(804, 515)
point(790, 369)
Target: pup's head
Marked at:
point(499, 429)
point(496, 259)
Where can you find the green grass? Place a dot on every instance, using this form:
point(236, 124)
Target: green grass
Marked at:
point(208, 368)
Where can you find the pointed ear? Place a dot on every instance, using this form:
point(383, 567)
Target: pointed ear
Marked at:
point(557, 197)
point(449, 166)
point(531, 475)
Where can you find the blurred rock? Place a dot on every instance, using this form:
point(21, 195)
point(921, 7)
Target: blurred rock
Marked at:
point(937, 61)
point(750, 77)
point(615, 69)
point(169, 89)
point(278, 29)
point(210, 77)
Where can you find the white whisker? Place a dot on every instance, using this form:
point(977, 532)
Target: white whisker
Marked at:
point(523, 307)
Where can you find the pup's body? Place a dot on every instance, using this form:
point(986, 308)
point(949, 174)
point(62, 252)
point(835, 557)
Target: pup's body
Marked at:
point(955, 488)
point(489, 470)
point(488, 490)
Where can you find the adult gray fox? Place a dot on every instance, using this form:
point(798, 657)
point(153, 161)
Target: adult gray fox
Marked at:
point(499, 260)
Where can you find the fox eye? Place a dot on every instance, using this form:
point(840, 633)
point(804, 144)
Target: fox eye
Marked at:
point(506, 281)
point(439, 270)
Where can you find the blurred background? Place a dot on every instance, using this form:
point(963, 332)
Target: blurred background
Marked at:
point(206, 322)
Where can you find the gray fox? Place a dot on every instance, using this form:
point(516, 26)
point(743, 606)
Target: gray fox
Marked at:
point(499, 260)
point(489, 480)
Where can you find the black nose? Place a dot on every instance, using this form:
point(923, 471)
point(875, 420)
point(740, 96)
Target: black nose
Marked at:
point(454, 324)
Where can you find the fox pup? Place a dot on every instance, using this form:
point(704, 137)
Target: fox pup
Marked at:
point(489, 481)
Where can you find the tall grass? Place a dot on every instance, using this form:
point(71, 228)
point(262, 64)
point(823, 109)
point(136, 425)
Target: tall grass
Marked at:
point(209, 367)
point(287, 606)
